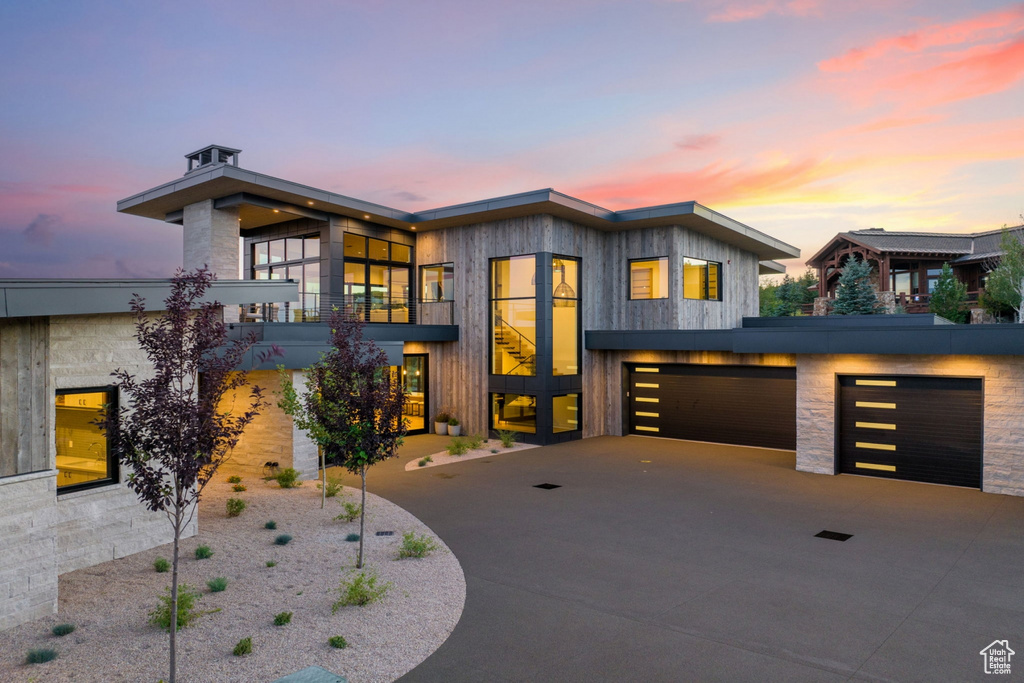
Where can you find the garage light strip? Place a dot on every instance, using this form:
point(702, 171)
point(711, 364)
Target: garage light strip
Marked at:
point(876, 382)
point(640, 399)
point(641, 414)
point(647, 386)
point(646, 370)
point(876, 425)
point(876, 446)
point(647, 429)
point(873, 466)
point(872, 404)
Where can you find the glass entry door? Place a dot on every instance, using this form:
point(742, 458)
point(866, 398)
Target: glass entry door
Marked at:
point(414, 383)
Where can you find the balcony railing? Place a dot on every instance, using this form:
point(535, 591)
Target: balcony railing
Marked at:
point(911, 303)
point(373, 309)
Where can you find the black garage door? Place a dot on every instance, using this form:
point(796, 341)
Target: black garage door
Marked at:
point(910, 427)
point(745, 405)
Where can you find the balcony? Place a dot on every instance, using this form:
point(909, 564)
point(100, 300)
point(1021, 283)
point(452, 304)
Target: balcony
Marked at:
point(374, 309)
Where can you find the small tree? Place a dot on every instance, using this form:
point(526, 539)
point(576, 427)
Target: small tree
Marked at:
point(856, 295)
point(949, 297)
point(352, 408)
point(1005, 284)
point(789, 296)
point(171, 433)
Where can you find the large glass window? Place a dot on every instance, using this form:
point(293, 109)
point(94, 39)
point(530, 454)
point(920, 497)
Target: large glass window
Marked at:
point(565, 412)
point(514, 316)
point(517, 412)
point(648, 278)
point(413, 377)
point(295, 258)
point(438, 282)
point(565, 312)
point(84, 456)
point(701, 279)
point(377, 279)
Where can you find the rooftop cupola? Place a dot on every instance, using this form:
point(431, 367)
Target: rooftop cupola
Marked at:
point(212, 154)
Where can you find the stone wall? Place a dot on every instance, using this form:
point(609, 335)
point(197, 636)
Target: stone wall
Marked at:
point(28, 547)
point(1002, 456)
point(269, 438)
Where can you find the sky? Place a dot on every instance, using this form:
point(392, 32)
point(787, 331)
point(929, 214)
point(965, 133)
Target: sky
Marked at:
point(800, 118)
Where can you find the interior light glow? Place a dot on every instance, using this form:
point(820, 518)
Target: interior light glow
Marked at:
point(647, 429)
point(873, 466)
point(646, 370)
point(876, 425)
point(876, 446)
point(648, 386)
point(640, 399)
point(642, 414)
point(874, 404)
point(876, 382)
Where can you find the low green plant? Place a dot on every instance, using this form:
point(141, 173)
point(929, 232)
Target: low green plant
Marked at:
point(413, 546)
point(204, 552)
point(423, 461)
point(458, 446)
point(494, 450)
point(244, 647)
point(338, 642)
point(187, 612)
point(475, 441)
point(283, 539)
point(235, 506)
point(271, 563)
point(352, 538)
point(288, 478)
point(62, 629)
point(41, 656)
point(238, 488)
point(360, 589)
point(333, 488)
point(442, 416)
point(218, 584)
point(270, 525)
point(234, 479)
point(282, 619)
point(161, 565)
point(351, 511)
point(507, 437)
point(453, 421)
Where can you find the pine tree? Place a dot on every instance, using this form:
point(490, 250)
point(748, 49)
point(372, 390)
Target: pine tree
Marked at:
point(1005, 285)
point(949, 297)
point(856, 295)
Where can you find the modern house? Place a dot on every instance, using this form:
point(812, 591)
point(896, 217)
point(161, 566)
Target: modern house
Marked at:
point(909, 263)
point(535, 312)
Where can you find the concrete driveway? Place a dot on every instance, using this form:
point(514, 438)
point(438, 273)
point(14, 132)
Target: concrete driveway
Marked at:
point(659, 560)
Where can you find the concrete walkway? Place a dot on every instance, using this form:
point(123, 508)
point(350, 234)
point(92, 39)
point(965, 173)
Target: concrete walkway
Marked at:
point(702, 564)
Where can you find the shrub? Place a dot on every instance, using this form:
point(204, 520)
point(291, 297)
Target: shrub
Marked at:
point(203, 552)
point(238, 488)
point(361, 589)
point(234, 479)
point(161, 564)
point(338, 642)
point(351, 513)
point(270, 525)
point(476, 441)
point(453, 421)
point(494, 450)
point(352, 538)
point(508, 437)
point(442, 416)
point(271, 563)
point(282, 619)
point(458, 446)
point(235, 506)
point(423, 461)
point(244, 647)
point(333, 487)
point(288, 478)
point(217, 584)
point(62, 629)
point(283, 539)
point(187, 612)
point(416, 547)
point(40, 656)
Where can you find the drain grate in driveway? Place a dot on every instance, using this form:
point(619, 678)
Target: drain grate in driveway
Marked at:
point(385, 533)
point(547, 487)
point(833, 535)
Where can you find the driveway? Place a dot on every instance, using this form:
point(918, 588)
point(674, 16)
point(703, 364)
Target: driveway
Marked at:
point(659, 560)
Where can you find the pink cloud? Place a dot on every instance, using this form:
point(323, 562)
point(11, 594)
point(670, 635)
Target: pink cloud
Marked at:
point(699, 142)
point(744, 10)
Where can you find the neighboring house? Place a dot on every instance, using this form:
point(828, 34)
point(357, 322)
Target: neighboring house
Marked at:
point(909, 263)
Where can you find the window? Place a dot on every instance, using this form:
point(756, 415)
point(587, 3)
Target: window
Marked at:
point(84, 456)
point(517, 412)
point(377, 279)
point(648, 278)
point(565, 314)
point(290, 258)
point(565, 411)
point(514, 316)
point(701, 279)
point(437, 282)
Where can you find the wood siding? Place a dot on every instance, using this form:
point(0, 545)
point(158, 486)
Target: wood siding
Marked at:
point(25, 397)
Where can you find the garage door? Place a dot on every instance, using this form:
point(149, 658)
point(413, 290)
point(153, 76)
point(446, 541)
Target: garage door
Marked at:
point(910, 427)
point(745, 405)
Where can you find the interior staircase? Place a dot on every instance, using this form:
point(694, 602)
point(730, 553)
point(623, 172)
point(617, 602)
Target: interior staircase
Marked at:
point(519, 347)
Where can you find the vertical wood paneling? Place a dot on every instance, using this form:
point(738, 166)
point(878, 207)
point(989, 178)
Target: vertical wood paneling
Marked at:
point(25, 399)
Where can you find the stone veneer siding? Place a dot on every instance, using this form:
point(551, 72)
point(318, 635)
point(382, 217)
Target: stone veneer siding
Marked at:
point(1002, 455)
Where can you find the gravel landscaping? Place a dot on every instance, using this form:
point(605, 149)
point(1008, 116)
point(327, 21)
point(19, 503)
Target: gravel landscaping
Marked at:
point(109, 603)
point(486, 450)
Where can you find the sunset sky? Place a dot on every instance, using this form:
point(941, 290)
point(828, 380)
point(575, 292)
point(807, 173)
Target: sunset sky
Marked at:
point(801, 118)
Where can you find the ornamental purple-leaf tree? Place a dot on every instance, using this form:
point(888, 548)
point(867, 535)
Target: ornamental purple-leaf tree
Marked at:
point(352, 408)
point(171, 433)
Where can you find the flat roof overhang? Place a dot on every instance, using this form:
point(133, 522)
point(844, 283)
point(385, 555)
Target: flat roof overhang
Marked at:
point(27, 298)
point(261, 194)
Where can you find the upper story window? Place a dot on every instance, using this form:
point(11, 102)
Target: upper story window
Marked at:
point(290, 258)
point(437, 282)
point(84, 456)
point(648, 278)
point(378, 279)
point(701, 279)
point(565, 316)
point(514, 316)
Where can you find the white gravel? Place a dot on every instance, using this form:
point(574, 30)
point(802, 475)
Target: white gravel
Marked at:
point(485, 451)
point(109, 603)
